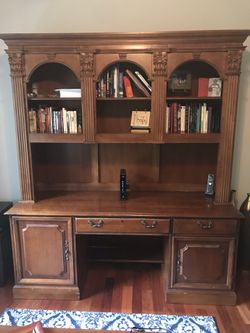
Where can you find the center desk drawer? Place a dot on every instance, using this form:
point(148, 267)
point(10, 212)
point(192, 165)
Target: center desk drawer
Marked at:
point(204, 226)
point(122, 225)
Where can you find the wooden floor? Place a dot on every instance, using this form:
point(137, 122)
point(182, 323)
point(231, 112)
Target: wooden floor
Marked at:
point(140, 290)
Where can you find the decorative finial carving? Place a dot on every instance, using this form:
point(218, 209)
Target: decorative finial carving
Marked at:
point(16, 62)
point(87, 64)
point(234, 61)
point(160, 61)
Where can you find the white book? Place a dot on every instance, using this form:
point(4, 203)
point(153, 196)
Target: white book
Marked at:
point(69, 92)
point(167, 118)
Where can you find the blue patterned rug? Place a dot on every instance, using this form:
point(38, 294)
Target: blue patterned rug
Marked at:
point(110, 321)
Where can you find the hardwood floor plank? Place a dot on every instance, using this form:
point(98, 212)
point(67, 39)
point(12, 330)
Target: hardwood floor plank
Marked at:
point(139, 289)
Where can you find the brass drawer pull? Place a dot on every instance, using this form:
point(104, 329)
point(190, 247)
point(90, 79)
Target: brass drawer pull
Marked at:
point(97, 224)
point(205, 225)
point(66, 250)
point(149, 225)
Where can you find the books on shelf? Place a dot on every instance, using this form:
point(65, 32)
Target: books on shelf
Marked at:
point(118, 83)
point(55, 121)
point(69, 92)
point(192, 118)
point(138, 83)
point(209, 87)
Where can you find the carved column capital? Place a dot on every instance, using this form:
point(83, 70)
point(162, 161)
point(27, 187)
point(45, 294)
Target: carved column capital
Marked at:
point(16, 61)
point(87, 64)
point(234, 61)
point(160, 60)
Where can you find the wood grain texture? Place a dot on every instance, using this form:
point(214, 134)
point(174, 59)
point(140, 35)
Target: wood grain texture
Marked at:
point(140, 290)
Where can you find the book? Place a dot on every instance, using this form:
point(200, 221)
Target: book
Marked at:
point(127, 87)
point(144, 81)
point(140, 130)
point(203, 86)
point(138, 83)
point(214, 87)
point(140, 119)
point(69, 92)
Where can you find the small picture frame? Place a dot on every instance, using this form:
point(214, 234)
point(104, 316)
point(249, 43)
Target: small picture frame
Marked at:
point(140, 119)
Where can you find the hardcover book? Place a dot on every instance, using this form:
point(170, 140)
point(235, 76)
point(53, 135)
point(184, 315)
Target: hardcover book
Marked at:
point(127, 87)
point(144, 81)
point(203, 86)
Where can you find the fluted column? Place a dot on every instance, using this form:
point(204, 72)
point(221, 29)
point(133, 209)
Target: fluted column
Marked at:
point(16, 61)
point(228, 121)
point(88, 93)
point(159, 95)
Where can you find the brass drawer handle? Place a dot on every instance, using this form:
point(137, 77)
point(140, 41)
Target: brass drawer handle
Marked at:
point(66, 250)
point(97, 224)
point(205, 225)
point(149, 225)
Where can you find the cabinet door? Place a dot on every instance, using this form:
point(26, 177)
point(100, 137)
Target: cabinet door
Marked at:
point(202, 263)
point(43, 251)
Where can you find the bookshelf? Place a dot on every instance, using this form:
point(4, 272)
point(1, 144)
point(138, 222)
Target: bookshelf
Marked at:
point(69, 170)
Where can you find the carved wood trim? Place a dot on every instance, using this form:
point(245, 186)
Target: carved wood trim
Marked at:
point(225, 155)
point(19, 92)
point(87, 64)
point(160, 61)
point(234, 61)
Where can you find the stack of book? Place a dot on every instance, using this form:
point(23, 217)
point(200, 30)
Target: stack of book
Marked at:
point(61, 121)
point(118, 83)
point(140, 122)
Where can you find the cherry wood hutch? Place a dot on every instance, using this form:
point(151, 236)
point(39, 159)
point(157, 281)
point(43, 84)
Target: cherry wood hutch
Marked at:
point(70, 213)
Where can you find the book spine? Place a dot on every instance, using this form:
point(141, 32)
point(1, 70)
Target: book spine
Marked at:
point(127, 87)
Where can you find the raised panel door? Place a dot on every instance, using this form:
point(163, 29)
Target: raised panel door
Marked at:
point(202, 263)
point(43, 250)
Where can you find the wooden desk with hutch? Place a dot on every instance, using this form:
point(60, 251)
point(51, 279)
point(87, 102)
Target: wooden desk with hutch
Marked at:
point(70, 210)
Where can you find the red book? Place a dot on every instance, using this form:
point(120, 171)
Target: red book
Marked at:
point(128, 87)
point(203, 86)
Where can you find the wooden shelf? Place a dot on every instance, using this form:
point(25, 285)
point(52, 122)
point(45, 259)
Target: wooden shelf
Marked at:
point(55, 138)
point(192, 138)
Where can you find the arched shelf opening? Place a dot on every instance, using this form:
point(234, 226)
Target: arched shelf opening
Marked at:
point(194, 99)
point(47, 78)
point(123, 79)
point(195, 78)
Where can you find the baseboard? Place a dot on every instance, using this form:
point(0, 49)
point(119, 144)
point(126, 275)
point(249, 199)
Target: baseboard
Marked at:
point(46, 292)
point(209, 297)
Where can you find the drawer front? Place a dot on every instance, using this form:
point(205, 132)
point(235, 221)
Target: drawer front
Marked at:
point(204, 226)
point(122, 225)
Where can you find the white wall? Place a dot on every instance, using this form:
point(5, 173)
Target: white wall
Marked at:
point(121, 16)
